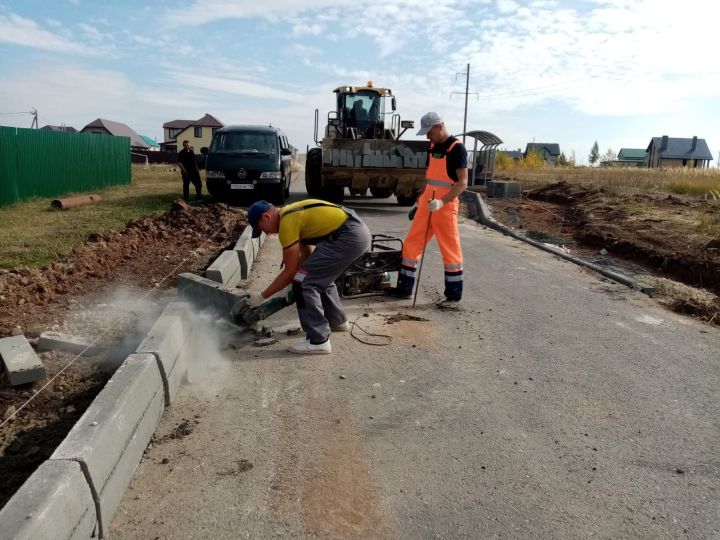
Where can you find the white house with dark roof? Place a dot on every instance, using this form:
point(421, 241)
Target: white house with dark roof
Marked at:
point(678, 152)
point(197, 132)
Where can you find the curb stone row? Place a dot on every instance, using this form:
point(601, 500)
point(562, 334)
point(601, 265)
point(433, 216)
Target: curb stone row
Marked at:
point(75, 493)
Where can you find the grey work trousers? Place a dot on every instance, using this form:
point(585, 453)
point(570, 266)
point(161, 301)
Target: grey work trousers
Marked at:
point(316, 295)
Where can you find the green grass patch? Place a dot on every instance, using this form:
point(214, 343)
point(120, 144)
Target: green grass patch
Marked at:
point(32, 234)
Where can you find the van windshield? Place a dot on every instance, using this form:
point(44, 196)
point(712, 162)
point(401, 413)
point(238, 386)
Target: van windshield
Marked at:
point(244, 142)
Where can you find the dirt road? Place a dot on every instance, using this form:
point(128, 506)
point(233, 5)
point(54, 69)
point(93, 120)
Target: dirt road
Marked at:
point(555, 405)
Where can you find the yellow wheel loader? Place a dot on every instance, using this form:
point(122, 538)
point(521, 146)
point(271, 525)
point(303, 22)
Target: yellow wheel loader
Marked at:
point(362, 151)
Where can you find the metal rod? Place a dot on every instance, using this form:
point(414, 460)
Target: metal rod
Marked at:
point(422, 255)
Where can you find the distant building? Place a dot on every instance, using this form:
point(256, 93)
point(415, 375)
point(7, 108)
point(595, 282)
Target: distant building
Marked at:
point(118, 129)
point(198, 133)
point(515, 155)
point(549, 151)
point(678, 152)
point(65, 129)
point(152, 143)
point(628, 157)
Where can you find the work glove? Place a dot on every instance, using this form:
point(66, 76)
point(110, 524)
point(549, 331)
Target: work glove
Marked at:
point(436, 204)
point(411, 213)
point(254, 300)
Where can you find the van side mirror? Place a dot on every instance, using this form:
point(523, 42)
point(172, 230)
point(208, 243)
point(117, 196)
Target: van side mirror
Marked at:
point(204, 150)
point(286, 152)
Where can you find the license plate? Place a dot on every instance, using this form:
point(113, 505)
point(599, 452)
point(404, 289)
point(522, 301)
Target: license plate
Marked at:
point(242, 186)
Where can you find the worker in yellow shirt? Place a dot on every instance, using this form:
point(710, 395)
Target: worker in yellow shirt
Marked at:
point(339, 238)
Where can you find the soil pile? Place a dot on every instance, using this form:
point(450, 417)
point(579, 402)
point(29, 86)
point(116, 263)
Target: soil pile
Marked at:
point(148, 253)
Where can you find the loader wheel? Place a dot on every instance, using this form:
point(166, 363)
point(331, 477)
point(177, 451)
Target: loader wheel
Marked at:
point(407, 200)
point(335, 194)
point(313, 172)
point(380, 193)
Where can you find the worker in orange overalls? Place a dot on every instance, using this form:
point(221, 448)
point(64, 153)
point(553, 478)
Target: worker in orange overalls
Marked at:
point(436, 211)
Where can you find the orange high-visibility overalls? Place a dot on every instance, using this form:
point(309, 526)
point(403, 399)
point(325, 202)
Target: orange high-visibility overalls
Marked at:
point(443, 225)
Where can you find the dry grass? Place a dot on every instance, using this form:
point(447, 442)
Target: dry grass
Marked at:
point(620, 180)
point(31, 234)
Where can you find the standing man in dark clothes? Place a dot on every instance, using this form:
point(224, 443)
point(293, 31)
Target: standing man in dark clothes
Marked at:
point(190, 171)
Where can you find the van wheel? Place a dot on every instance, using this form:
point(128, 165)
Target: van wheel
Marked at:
point(277, 195)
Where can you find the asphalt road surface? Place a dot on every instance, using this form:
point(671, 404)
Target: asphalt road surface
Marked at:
point(555, 404)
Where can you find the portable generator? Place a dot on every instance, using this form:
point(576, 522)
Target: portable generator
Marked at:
point(372, 273)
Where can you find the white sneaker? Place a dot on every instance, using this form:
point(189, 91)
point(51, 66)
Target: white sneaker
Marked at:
point(342, 327)
point(305, 347)
point(449, 304)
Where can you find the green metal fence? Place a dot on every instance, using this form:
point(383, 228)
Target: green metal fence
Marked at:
point(37, 163)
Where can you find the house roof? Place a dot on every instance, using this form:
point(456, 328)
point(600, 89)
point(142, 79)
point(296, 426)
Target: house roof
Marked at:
point(67, 129)
point(632, 153)
point(681, 148)
point(513, 154)
point(118, 129)
point(151, 142)
point(206, 121)
point(552, 149)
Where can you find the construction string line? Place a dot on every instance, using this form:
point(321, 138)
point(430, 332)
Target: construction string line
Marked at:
point(112, 325)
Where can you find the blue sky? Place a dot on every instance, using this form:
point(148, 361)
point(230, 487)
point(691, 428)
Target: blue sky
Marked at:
point(571, 72)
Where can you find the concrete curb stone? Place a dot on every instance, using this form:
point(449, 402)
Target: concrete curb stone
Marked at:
point(166, 341)
point(480, 212)
point(205, 293)
point(21, 363)
point(76, 492)
point(55, 502)
point(226, 269)
point(109, 439)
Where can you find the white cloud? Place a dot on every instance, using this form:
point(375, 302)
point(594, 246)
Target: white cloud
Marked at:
point(230, 85)
point(17, 30)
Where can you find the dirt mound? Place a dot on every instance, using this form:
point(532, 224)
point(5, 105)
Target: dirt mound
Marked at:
point(642, 228)
point(144, 253)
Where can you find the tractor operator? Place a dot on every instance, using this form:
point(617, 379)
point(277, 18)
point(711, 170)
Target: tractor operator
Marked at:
point(338, 236)
point(436, 212)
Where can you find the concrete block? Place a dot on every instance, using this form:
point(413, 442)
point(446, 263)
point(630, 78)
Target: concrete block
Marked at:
point(21, 363)
point(503, 190)
point(335, 157)
point(327, 157)
point(366, 148)
point(205, 293)
point(55, 502)
point(57, 341)
point(358, 160)
point(366, 160)
point(386, 160)
point(225, 269)
point(167, 340)
point(109, 439)
point(245, 250)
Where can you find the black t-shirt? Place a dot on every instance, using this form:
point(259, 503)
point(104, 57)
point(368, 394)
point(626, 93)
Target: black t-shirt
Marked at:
point(187, 158)
point(456, 159)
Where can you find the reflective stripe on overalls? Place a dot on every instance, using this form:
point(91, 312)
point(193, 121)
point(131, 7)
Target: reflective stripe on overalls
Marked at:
point(443, 225)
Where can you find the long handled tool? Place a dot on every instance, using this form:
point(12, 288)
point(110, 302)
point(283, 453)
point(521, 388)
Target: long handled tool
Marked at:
point(422, 255)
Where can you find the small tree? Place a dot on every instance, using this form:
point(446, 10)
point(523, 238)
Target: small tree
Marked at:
point(594, 154)
point(610, 155)
point(561, 160)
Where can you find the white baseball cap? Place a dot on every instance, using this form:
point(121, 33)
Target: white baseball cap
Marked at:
point(428, 121)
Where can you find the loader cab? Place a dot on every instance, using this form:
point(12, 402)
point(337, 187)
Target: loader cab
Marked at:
point(360, 112)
